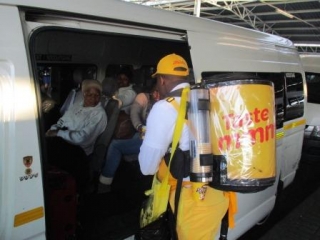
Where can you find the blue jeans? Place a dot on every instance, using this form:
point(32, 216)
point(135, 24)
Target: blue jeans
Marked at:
point(117, 148)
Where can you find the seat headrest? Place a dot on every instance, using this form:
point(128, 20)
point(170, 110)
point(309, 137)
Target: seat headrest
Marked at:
point(77, 76)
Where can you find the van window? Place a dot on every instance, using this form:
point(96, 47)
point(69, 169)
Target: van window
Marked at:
point(313, 86)
point(278, 83)
point(141, 75)
point(113, 69)
point(61, 78)
point(294, 96)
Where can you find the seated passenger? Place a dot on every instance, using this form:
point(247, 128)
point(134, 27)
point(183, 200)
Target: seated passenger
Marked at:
point(71, 140)
point(118, 147)
point(125, 94)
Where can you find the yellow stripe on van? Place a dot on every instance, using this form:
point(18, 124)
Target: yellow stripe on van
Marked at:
point(28, 216)
point(294, 124)
point(279, 135)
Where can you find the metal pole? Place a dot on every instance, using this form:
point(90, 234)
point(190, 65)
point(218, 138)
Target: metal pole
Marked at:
point(197, 8)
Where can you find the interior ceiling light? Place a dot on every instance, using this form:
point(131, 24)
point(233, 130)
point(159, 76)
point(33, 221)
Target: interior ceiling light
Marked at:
point(284, 13)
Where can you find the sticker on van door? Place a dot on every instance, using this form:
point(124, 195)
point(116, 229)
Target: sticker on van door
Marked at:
point(27, 162)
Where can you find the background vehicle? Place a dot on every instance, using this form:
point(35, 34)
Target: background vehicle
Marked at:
point(99, 37)
point(311, 65)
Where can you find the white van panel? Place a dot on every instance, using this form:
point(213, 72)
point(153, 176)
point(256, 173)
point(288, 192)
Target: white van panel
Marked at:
point(311, 62)
point(103, 26)
point(293, 129)
point(20, 172)
point(245, 223)
point(292, 147)
point(289, 59)
point(212, 51)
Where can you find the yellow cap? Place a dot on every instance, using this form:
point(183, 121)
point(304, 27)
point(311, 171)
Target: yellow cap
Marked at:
point(172, 64)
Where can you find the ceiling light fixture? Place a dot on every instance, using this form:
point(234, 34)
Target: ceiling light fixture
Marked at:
point(307, 45)
point(284, 13)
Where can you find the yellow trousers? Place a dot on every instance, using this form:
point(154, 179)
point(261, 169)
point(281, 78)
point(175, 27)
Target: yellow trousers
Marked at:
point(199, 219)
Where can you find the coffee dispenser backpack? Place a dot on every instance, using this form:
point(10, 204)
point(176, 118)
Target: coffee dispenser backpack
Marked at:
point(233, 142)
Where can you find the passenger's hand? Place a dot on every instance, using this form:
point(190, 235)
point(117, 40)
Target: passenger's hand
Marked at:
point(142, 131)
point(52, 133)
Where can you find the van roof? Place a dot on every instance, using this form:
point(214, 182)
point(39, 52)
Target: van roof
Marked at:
point(131, 12)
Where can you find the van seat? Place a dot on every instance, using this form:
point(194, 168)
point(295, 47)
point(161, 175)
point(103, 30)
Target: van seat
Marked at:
point(103, 141)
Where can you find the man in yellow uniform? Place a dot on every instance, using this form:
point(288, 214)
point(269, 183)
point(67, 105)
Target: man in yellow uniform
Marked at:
point(197, 219)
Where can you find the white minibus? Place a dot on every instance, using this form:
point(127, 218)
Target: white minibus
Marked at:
point(311, 65)
point(56, 38)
